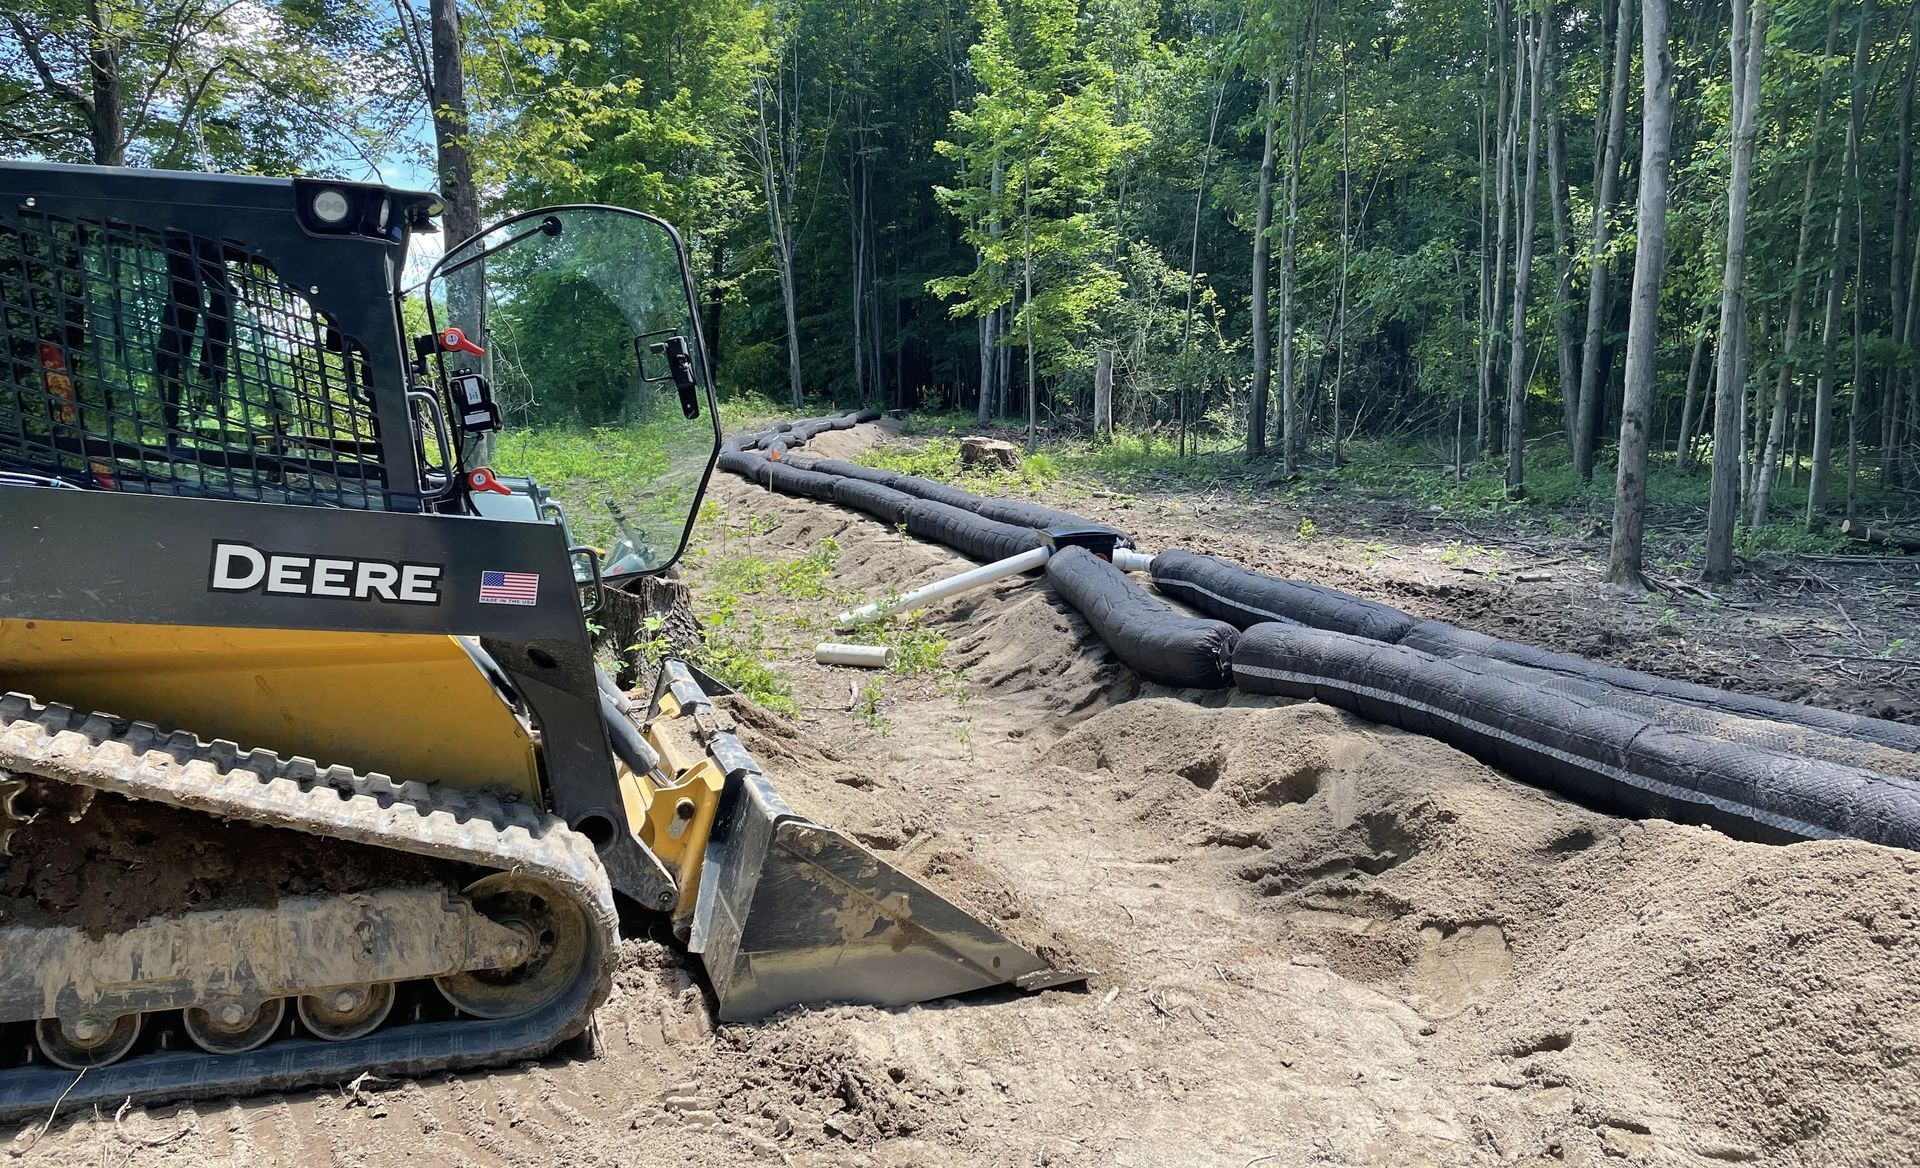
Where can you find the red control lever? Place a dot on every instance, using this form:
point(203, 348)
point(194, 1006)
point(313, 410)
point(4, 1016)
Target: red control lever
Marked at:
point(482, 479)
point(455, 341)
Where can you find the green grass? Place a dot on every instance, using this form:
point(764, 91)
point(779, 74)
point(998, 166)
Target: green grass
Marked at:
point(939, 459)
point(583, 467)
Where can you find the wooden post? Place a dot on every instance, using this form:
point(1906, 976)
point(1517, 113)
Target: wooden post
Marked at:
point(1103, 395)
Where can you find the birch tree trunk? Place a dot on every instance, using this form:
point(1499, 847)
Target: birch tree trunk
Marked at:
point(1563, 341)
point(1630, 487)
point(776, 153)
point(1523, 271)
point(1262, 249)
point(1299, 100)
point(1748, 49)
point(1103, 395)
point(1346, 247)
point(1193, 262)
point(1026, 302)
point(995, 359)
point(1482, 326)
point(1605, 182)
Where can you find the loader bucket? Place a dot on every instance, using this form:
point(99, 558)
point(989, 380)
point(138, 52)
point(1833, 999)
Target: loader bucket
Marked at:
point(790, 912)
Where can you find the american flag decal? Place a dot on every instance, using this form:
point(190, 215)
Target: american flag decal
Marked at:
point(509, 587)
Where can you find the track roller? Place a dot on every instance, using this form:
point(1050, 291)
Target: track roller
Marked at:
point(349, 1012)
point(234, 1027)
point(91, 1040)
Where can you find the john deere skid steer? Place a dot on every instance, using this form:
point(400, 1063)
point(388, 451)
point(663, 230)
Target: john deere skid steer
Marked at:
point(306, 767)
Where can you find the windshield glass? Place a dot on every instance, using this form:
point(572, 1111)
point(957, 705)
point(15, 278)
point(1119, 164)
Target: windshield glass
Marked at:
point(595, 371)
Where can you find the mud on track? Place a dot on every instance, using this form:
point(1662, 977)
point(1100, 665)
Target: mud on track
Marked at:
point(1318, 942)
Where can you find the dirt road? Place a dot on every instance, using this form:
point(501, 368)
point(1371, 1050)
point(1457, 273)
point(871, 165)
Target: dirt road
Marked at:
point(1317, 942)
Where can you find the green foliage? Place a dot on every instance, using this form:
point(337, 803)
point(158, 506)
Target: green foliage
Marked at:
point(1036, 151)
point(194, 85)
point(939, 459)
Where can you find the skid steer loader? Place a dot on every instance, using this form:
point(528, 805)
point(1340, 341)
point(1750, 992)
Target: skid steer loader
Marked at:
point(306, 766)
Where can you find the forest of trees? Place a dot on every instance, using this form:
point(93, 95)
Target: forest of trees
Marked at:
point(1507, 225)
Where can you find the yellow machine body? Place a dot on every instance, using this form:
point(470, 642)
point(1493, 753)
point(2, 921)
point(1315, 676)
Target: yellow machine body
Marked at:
point(673, 809)
point(415, 707)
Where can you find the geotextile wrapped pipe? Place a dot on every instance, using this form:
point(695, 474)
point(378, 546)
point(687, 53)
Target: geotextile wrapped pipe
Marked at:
point(1245, 598)
point(1603, 756)
point(1149, 638)
point(1445, 640)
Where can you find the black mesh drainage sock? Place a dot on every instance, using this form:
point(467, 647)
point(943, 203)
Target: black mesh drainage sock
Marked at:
point(1147, 636)
point(1246, 598)
point(1616, 760)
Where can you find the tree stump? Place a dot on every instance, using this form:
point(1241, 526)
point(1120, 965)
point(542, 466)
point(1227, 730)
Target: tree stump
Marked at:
point(989, 452)
point(650, 612)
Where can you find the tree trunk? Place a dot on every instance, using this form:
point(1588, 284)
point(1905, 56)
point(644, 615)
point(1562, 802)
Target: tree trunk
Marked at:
point(857, 265)
point(994, 357)
point(1563, 342)
point(1298, 101)
point(107, 117)
point(1906, 541)
point(1103, 395)
point(1821, 470)
point(1683, 449)
point(1630, 490)
point(1506, 124)
point(1346, 247)
point(1262, 249)
point(1900, 290)
point(775, 157)
point(1748, 49)
point(461, 198)
point(983, 412)
point(1591, 373)
point(1026, 303)
point(1854, 418)
point(1776, 431)
point(1523, 273)
point(1483, 328)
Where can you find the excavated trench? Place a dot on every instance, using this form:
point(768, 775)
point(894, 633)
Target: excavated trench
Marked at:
point(1616, 740)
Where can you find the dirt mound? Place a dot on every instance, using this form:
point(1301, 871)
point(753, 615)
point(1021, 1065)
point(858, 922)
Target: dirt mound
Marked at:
point(1678, 980)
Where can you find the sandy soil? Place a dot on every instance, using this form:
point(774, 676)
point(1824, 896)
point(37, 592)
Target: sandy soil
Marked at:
point(1317, 942)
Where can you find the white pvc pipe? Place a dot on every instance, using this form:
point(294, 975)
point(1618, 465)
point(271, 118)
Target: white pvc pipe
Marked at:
point(1129, 560)
point(864, 656)
point(951, 586)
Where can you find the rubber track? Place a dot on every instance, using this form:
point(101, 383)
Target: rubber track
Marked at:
point(218, 778)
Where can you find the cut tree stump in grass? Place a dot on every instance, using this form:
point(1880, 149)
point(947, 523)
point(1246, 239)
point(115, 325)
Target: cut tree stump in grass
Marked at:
point(625, 614)
point(978, 451)
point(1906, 541)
